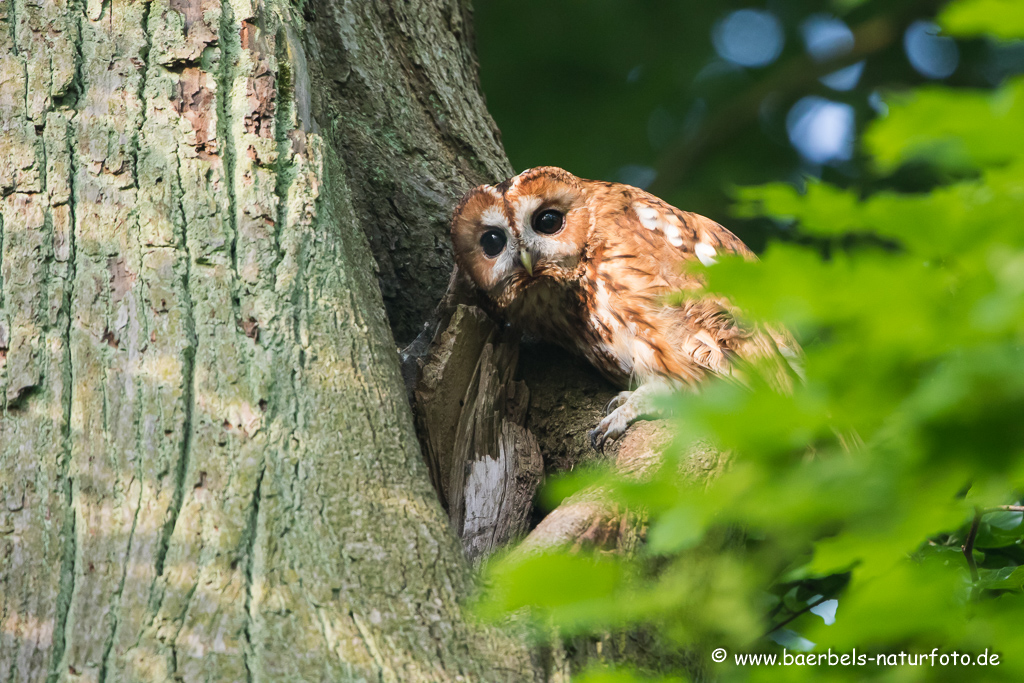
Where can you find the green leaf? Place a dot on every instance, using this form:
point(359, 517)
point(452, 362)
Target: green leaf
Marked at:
point(859, 483)
point(1006, 578)
point(553, 580)
point(1006, 520)
point(677, 529)
point(603, 675)
point(999, 18)
point(971, 130)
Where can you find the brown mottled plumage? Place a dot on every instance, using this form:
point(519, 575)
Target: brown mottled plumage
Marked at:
point(589, 264)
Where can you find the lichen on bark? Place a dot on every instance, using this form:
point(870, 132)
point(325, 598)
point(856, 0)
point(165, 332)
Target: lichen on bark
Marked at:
point(412, 128)
point(207, 464)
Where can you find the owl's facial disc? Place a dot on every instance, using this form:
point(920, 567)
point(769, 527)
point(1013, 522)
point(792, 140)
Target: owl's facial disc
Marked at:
point(544, 222)
point(527, 230)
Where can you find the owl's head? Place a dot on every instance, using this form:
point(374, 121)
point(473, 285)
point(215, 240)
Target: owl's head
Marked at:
point(531, 228)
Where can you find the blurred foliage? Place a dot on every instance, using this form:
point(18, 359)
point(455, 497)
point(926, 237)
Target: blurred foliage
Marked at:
point(636, 92)
point(843, 519)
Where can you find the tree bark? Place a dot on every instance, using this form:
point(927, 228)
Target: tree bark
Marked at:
point(208, 469)
point(398, 90)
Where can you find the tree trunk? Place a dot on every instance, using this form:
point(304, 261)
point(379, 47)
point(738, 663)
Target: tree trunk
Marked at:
point(208, 469)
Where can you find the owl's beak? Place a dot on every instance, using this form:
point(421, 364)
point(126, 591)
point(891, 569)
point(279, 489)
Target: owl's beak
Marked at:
point(524, 257)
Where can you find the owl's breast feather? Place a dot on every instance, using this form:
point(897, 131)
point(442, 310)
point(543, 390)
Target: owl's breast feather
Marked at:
point(547, 309)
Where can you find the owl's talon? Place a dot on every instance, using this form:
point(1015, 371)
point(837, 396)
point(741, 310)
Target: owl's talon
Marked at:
point(617, 400)
point(613, 426)
point(626, 408)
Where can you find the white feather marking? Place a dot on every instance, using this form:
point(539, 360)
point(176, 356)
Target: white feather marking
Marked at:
point(524, 207)
point(649, 217)
point(705, 252)
point(672, 233)
point(494, 216)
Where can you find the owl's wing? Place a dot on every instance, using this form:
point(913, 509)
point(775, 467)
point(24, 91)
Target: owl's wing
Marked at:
point(644, 243)
point(689, 235)
point(645, 251)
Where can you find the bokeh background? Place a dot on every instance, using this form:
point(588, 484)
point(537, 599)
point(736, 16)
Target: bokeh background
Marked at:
point(690, 99)
point(882, 500)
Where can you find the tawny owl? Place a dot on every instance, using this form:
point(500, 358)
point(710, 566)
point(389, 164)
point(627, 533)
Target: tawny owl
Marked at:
point(589, 265)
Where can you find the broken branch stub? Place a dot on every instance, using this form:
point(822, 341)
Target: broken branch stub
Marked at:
point(485, 465)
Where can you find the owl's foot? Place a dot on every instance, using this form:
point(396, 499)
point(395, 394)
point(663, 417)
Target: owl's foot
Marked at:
point(617, 400)
point(626, 408)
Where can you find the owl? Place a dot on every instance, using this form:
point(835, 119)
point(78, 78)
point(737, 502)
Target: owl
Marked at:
point(591, 265)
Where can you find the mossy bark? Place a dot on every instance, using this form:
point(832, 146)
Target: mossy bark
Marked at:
point(397, 86)
point(208, 468)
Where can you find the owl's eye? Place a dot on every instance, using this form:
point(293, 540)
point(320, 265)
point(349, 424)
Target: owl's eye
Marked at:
point(548, 222)
point(493, 241)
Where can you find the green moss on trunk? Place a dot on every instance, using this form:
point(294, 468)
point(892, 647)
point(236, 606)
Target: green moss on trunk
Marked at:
point(208, 469)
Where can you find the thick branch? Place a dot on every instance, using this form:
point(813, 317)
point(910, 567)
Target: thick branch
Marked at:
point(591, 518)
